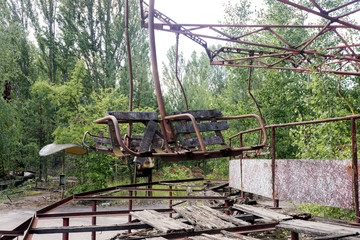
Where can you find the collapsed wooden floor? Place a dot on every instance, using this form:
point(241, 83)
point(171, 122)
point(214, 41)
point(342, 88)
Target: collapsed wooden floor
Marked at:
point(203, 212)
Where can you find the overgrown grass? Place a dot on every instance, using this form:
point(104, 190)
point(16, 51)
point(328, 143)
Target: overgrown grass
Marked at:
point(328, 212)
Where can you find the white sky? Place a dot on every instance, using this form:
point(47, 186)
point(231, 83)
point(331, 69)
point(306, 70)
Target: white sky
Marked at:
point(194, 11)
point(186, 11)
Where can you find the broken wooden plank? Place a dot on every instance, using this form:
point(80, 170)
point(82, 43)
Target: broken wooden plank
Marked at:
point(134, 116)
point(201, 218)
point(336, 236)
point(102, 140)
point(145, 144)
point(316, 228)
point(262, 212)
point(203, 127)
point(225, 217)
point(161, 222)
point(156, 238)
point(201, 114)
point(199, 238)
point(194, 142)
point(211, 203)
point(217, 237)
point(237, 236)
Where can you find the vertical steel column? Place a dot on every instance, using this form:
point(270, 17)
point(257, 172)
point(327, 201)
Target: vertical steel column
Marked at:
point(130, 208)
point(294, 236)
point(131, 81)
point(273, 165)
point(227, 205)
point(355, 172)
point(93, 220)
point(165, 126)
point(170, 201)
point(241, 173)
point(66, 221)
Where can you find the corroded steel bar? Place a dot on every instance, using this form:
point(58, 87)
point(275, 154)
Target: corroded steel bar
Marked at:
point(342, 6)
point(273, 166)
point(165, 126)
point(153, 198)
point(317, 35)
point(117, 133)
point(65, 236)
point(93, 219)
point(131, 79)
point(177, 25)
point(285, 68)
point(355, 171)
point(170, 201)
point(130, 208)
point(317, 5)
point(321, 14)
point(157, 189)
point(349, 13)
point(28, 235)
point(299, 123)
point(193, 120)
point(177, 73)
point(294, 236)
point(94, 214)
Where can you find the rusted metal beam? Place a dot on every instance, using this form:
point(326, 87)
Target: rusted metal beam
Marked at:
point(152, 198)
point(93, 214)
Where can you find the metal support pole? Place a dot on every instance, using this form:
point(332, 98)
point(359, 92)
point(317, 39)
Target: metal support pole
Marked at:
point(93, 220)
point(273, 166)
point(241, 173)
point(66, 221)
point(355, 172)
point(251, 196)
point(227, 205)
point(294, 236)
point(130, 208)
point(170, 201)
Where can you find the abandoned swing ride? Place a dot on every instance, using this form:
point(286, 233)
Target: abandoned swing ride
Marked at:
point(179, 136)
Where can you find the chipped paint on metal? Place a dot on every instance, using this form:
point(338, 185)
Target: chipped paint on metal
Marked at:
point(325, 182)
point(256, 175)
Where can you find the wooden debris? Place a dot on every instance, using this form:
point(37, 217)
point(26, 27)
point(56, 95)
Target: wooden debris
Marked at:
point(134, 116)
point(200, 114)
point(236, 236)
point(316, 228)
point(155, 238)
point(199, 238)
point(194, 142)
point(203, 127)
point(335, 237)
point(201, 218)
point(262, 212)
point(217, 237)
point(161, 222)
point(225, 217)
point(211, 203)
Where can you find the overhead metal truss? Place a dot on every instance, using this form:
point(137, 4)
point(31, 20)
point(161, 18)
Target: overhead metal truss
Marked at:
point(278, 49)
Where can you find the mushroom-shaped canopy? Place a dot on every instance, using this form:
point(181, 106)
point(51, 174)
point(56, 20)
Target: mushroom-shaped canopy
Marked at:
point(68, 148)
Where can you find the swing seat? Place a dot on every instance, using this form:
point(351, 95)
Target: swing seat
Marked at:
point(193, 131)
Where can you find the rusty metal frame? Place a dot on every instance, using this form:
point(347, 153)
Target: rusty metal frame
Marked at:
point(297, 57)
point(28, 228)
point(354, 165)
point(183, 155)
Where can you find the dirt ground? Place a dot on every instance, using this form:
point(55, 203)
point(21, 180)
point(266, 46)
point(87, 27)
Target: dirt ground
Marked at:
point(16, 211)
